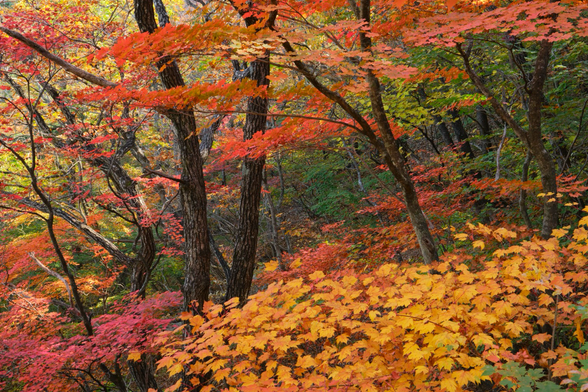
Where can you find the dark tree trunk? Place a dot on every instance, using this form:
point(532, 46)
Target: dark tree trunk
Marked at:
point(255, 121)
point(484, 126)
point(192, 188)
point(442, 128)
point(460, 134)
point(142, 373)
point(247, 230)
point(523, 192)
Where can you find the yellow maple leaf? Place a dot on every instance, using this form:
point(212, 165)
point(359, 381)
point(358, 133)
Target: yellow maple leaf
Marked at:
point(449, 384)
point(134, 356)
point(271, 265)
point(174, 387)
point(222, 374)
point(579, 333)
point(296, 263)
point(461, 236)
point(374, 314)
point(306, 361)
point(445, 363)
point(175, 369)
point(421, 369)
point(478, 244)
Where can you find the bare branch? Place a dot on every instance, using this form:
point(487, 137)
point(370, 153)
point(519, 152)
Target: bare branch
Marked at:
point(94, 79)
point(54, 274)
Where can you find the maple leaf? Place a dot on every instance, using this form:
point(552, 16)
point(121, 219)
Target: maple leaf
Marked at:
point(134, 356)
point(541, 337)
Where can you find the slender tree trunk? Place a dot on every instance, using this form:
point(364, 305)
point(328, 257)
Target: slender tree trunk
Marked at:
point(532, 137)
point(484, 126)
point(396, 162)
point(274, 225)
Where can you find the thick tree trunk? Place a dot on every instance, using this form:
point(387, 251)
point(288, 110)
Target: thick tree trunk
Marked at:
point(247, 230)
point(535, 141)
point(143, 375)
point(192, 188)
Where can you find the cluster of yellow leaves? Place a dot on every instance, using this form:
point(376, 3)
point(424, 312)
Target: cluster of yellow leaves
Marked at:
point(397, 328)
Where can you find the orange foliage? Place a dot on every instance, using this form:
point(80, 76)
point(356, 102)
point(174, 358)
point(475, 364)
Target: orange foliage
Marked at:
point(397, 328)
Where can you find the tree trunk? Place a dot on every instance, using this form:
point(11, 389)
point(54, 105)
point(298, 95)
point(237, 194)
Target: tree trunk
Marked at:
point(460, 134)
point(532, 138)
point(442, 128)
point(523, 192)
point(535, 141)
point(396, 164)
point(143, 375)
point(484, 126)
point(192, 188)
point(248, 227)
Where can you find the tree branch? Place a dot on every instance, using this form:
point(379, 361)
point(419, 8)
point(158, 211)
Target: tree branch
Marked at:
point(58, 60)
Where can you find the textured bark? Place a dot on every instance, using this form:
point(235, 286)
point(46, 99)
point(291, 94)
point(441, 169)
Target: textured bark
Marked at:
point(115, 377)
point(523, 192)
point(544, 160)
point(192, 188)
point(162, 15)
point(248, 227)
point(442, 128)
point(143, 375)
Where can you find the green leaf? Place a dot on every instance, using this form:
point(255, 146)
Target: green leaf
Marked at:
point(547, 386)
point(488, 370)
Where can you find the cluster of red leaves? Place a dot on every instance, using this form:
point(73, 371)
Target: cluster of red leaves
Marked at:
point(41, 348)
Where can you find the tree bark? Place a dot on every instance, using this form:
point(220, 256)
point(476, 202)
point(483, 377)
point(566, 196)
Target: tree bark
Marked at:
point(192, 188)
point(544, 160)
point(484, 126)
point(248, 227)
